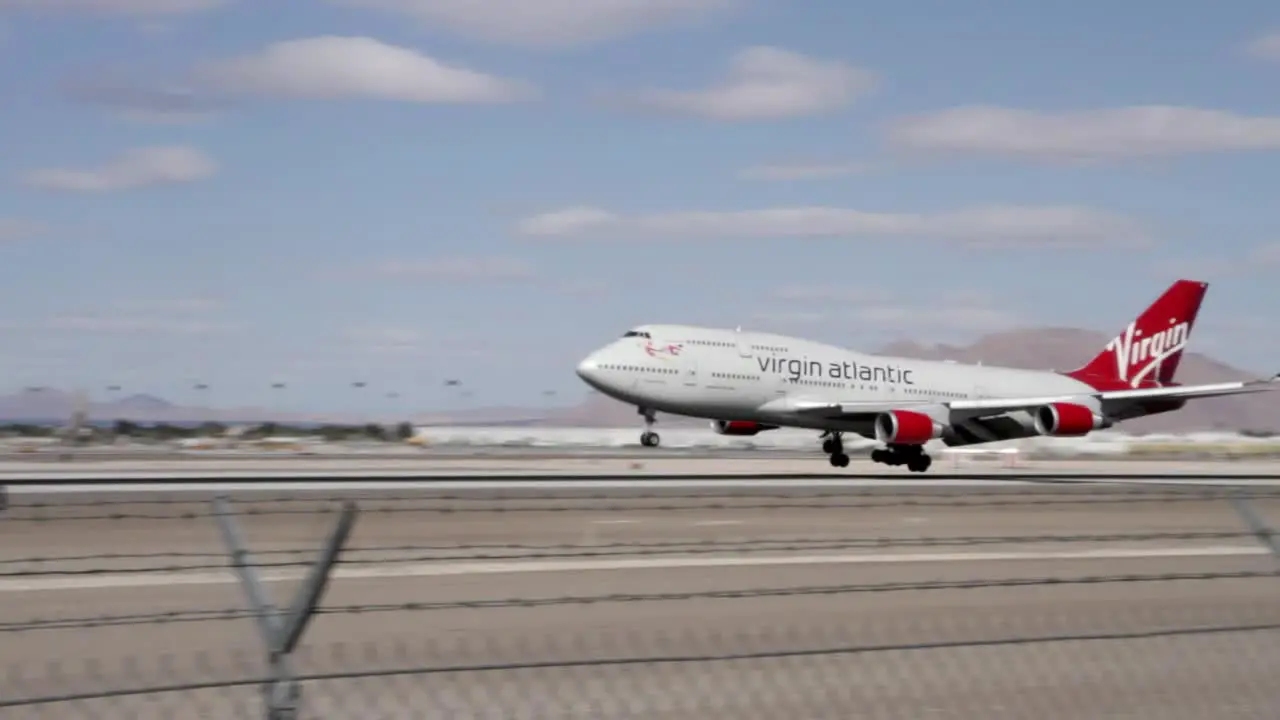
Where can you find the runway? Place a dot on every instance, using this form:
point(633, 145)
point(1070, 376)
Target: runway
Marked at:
point(1047, 601)
point(658, 468)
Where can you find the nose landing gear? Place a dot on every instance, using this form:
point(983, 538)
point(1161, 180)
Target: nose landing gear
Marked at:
point(913, 456)
point(833, 445)
point(649, 438)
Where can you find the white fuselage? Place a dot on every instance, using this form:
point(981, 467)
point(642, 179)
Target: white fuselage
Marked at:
point(732, 375)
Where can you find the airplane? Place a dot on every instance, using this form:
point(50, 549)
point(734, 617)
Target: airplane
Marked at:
point(748, 382)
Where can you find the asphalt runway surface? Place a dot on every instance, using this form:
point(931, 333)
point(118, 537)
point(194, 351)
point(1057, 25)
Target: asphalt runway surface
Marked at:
point(1045, 601)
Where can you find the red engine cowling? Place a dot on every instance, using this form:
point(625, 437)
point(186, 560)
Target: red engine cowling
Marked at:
point(739, 427)
point(904, 427)
point(1067, 420)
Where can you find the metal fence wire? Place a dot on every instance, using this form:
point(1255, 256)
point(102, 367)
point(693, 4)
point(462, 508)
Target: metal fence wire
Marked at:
point(1123, 605)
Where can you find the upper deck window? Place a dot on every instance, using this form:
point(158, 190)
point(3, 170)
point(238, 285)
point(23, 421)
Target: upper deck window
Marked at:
point(636, 333)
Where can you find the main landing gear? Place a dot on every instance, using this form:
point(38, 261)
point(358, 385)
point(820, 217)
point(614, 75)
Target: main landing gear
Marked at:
point(833, 445)
point(913, 456)
point(648, 438)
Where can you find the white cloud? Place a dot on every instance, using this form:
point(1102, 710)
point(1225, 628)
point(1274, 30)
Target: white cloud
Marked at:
point(355, 68)
point(768, 83)
point(117, 7)
point(548, 23)
point(990, 226)
point(876, 308)
point(15, 230)
point(802, 171)
point(823, 294)
point(586, 288)
point(137, 168)
point(457, 268)
point(1266, 47)
point(192, 315)
point(1261, 258)
point(1200, 268)
point(382, 339)
point(961, 316)
point(386, 339)
point(194, 305)
point(788, 318)
point(1127, 132)
point(90, 322)
point(160, 103)
point(1268, 254)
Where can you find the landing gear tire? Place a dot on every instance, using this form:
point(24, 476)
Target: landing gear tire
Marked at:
point(648, 438)
point(913, 457)
point(833, 445)
point(919, 464)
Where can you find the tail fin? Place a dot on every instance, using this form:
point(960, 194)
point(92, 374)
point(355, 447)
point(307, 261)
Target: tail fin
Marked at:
point(1147, 352)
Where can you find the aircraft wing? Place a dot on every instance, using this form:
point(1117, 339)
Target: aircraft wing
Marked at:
point(854, 410)
point(986, 407)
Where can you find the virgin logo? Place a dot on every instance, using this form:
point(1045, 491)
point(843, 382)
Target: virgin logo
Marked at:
point(1137, 356)
point(654, 350)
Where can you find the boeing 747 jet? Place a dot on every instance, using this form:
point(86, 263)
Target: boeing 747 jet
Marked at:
point(747, 382)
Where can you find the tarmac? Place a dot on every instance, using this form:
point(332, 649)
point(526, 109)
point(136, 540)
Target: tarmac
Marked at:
point(1046, 601)
point(656, 466)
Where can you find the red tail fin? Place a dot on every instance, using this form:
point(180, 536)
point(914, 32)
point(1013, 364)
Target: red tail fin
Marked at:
point(1147, 352)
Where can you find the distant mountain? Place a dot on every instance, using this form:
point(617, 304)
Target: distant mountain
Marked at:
point(142, 405)
point(1038, 349)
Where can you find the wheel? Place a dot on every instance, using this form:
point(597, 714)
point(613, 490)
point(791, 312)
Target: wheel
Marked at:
point(919, 464)
point(839, 460)
point(880, 456)
point(649, 439)
point(828, 446)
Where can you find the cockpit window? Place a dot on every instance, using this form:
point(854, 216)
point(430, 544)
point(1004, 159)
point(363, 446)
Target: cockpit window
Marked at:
point(636, 333)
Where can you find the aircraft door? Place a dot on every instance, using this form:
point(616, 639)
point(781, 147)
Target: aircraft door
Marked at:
point(744, 343)
point(689, 370)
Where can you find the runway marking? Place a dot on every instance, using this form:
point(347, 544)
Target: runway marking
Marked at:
point(102, 582)
point(614, 522)
point(105, 485)
point(713, 523)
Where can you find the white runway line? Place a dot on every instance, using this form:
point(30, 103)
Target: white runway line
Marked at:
point(103, 582)
point(638, 483)
point(106, 486)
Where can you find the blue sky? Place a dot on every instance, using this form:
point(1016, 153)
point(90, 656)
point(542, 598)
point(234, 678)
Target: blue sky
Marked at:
point(407, 191)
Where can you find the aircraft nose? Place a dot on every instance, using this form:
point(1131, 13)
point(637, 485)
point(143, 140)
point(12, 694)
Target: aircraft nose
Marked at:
point(589, 367)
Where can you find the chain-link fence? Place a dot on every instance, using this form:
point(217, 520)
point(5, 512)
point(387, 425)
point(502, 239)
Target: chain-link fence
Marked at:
point(1068, 602)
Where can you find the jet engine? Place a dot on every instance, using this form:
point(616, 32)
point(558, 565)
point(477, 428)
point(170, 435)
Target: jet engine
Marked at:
point(1067, 420)
point(739, 427)
point(904, 427)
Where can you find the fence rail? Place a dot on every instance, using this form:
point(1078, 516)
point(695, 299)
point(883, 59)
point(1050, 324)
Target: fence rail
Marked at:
point(1045, 603)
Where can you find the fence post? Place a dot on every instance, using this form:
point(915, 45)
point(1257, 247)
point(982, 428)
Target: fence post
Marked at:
point(1258, 525)
point(281, 631)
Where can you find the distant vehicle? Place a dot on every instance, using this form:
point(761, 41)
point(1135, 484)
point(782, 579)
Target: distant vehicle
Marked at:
point(748, 382)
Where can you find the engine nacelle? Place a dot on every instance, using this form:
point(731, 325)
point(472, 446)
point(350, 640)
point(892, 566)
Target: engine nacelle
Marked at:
point(904, 427)
point(1067, 420)
point(739, 427)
